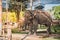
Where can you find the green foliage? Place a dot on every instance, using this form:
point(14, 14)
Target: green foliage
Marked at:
point(57, 8)
point(11, 16)
point(57, 12)
point(17, 6)
point(3, 17)
point(56, 29)
point(17, 31)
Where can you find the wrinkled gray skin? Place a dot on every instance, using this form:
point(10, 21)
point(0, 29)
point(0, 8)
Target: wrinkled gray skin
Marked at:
point(28, 20)
point(28, 23)
point(41, 17)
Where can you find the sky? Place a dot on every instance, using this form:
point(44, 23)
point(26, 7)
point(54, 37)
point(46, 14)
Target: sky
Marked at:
point(50, 1)
point(48, 4)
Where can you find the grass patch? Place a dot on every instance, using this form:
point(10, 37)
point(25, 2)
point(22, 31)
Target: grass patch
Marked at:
point(17, 31)
point(21, 32)
point(54, 29)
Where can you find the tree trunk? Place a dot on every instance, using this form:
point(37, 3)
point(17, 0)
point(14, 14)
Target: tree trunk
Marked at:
point(17, 15)
point(31, 4)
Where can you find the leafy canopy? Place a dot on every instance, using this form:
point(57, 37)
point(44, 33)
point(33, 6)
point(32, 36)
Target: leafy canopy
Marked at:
point(57, 12)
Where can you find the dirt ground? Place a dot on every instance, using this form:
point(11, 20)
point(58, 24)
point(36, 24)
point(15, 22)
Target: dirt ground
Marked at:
point(34, 37)
point(21, 36)
point(41, 36)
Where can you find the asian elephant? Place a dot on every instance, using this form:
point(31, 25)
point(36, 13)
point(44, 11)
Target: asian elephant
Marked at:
point(41, 17)
point(35, 17)
point(27, 22)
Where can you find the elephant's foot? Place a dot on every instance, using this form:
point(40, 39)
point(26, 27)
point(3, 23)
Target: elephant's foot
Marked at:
point(48, 34)
point(23, 30)
point(20, 30)
point(30, 33)
point(49, 31)
point(35, 34)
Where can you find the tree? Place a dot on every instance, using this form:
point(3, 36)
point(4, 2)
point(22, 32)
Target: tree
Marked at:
point(17, 6)
point(56, 10)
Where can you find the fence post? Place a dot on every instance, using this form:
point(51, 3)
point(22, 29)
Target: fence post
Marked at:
point(9, 33)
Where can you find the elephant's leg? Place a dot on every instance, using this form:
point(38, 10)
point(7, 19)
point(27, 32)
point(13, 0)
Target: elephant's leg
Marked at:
point(30, 29)
point(49, 30)
point(35, 25)
point(22, 27)
point(25, 26)
point(35, 30)
point(19, 28)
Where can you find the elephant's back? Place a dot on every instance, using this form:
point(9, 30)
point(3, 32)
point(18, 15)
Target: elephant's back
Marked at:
point(43, 17)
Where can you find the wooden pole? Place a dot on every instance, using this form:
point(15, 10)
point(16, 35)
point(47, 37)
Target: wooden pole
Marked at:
point(0, 16)
point(21, 6)
point(31, 4)
point(9, 33)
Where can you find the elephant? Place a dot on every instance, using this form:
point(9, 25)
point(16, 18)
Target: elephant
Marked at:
point(42, 18)
point(27, 22)
point(34, 17)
